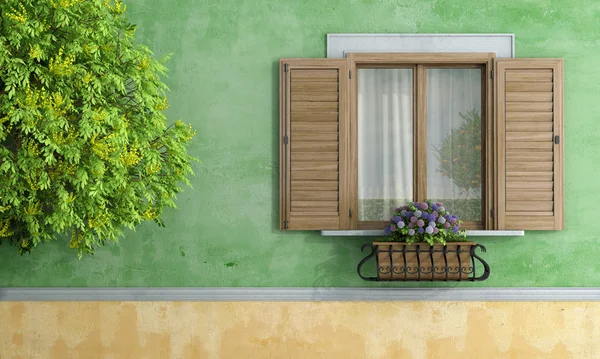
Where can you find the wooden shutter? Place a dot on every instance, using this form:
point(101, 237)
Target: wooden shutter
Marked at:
point(529, 115)
point(313, 129)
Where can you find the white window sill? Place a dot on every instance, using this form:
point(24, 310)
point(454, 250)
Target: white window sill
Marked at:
point(377, 233)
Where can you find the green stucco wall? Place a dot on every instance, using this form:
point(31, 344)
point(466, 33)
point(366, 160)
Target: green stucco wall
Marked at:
point(224, 80)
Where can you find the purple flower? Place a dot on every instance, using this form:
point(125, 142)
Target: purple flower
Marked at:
point(420, 223)
point(413, 219)
point(387, 230)
point(411, 232)
point(403, 213)
point(426, 217)
point(396, 219)
point(438, 204)
point(435, 215)
point(392, 227)
point(431, 224)
point(441, 220)
point(418, 213)
point(441, 208)
point(408, 214)
point(424, 205)
point(435, 230)
point(421, 230)
point(411, 225)
point(429, 230)
point(434, 207)
point(447, 225)
point(453, 220)
point(401, 224)
point(417, 204)
point(455, 229)
point(398, 210)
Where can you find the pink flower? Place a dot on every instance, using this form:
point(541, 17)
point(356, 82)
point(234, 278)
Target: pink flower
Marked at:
point(420, 223)
point(424, 205)
point(447, 225)
point(413, 219)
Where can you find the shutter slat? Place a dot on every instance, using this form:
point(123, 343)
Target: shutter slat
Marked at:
point(529, 106)
point(314, 117)
point(314, 196)
point(529, 126)
point(308, 185)
point(529, 176)
point(315, 166)
point(520, 156)
point(529, 136)
point(529, 76)
point(313, 146)
point(314, 87)
point(315, 96)
point(303, 106)
point(530, 167)
point(529, 116)
point(298, 127)
point(315, 75)
point(325, 137)
point(532, 146)
point(516, 195)
point(315, 156)
point(529, 96)
point(529, 206)
point(530, 185)
point(529, 86)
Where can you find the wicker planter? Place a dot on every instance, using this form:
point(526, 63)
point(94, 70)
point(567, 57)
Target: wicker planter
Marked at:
point(397, 261)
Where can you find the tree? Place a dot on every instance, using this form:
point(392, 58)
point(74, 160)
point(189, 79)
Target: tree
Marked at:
point(85, 149)
point(459, 155)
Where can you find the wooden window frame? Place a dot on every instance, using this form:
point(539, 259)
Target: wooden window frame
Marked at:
point(420, 62)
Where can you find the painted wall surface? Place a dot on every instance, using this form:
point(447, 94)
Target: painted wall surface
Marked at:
point(224, 81)
point(204, 330)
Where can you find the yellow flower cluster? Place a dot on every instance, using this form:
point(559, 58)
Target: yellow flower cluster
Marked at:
point(131, 157)
point(144, 63)
point(150, 214)
point(99, 220)
point(5, 230)
point(152, 168)
point(62, 66)
point(76, 239)
point(119, 7)
point(60, 139)
point(162, 105)
point(5, 208)
point(35, 52)
point(65, 3)
point(17, 16)
point(103, 148)
point(190, 134)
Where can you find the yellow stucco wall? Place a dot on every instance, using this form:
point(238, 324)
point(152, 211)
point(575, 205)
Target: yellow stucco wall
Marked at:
point(299, 330)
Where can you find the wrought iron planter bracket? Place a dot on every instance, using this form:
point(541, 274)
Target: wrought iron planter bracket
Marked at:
point(426, 273)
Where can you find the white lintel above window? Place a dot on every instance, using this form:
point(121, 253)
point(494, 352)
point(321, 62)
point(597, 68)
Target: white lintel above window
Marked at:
point(340, 44)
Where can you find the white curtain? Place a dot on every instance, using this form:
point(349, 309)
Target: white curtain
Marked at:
point(453, 98)
point(385, 141)
point(385, 133)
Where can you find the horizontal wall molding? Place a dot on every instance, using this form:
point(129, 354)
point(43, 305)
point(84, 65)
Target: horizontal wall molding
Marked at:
point(299, 294)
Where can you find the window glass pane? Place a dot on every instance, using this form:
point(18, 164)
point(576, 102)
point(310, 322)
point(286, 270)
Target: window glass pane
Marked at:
point(454, 173)
point(385, 141)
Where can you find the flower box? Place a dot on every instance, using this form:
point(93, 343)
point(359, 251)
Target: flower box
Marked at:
point(398, 261)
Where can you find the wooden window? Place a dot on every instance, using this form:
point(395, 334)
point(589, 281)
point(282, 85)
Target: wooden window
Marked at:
point(440, 99)
point(529, 111)
point(521, 137)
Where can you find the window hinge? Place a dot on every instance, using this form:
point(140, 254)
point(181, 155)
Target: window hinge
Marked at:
point(286, 224)
point(557, 139)
point(285, 140)
point(350, 212)
point(286, 67)
point(492, 74)
point(350, 74)
point(493, 213)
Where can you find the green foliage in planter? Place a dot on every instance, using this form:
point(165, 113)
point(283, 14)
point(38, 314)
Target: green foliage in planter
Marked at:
point(459, 154)
point(84, 145)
